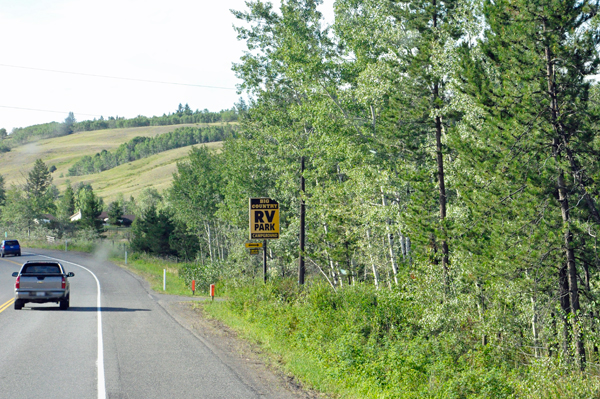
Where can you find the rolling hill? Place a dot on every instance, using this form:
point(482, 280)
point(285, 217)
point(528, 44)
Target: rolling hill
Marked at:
point(130, 179)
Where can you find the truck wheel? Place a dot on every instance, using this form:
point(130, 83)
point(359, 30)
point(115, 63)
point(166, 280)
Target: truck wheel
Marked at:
point(2, 254)
point(18, 304)
point(64, 304)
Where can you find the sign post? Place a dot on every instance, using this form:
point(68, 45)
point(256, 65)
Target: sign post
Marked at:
point(264, 224)
point(265, 262)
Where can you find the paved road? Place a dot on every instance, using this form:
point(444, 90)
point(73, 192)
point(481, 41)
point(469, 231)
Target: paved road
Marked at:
point(141, 352)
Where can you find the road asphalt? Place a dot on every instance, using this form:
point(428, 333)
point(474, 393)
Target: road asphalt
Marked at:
point(150, 346)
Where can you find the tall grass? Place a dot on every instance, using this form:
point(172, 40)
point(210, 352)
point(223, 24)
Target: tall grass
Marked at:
point(151, 269)
point(362, 343)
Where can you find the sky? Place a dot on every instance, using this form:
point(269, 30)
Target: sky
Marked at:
point(147, 57)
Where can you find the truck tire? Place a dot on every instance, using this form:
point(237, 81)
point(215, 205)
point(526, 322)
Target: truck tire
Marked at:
point(18, 304)
point(64, 304)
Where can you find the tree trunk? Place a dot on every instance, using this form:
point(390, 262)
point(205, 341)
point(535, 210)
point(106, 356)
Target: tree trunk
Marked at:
point(209, 235)
point(571, 272)
point(375, 274)
point(565, 305)
point(591, 314)
point(390, 237)
point(334, 275)
point(440, 167)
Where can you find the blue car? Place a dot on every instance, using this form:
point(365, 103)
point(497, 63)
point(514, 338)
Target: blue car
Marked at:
point(10, 247)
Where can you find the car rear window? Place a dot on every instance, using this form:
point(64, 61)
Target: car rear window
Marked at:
point(11, 242)
point(41, 269)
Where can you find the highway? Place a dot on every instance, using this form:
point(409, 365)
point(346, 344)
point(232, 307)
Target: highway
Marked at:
point(115, 341)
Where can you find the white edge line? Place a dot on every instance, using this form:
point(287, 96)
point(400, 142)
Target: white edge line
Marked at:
point(100, 362)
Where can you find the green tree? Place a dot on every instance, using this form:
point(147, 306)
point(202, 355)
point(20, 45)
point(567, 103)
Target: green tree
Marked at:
point(67, 126)
point(195, 193)
point(38, 180)
point(17, 210)
point(184, 242)
point(66, 205)
point(91, 207)
point(115, 212)
point(38, 189)
point(152, 230)
point(535, 149)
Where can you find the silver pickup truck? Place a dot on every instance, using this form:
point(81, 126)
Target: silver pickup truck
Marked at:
point(41, 282)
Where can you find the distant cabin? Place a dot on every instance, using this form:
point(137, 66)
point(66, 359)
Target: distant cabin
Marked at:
point(125, 220)
point(45, 219)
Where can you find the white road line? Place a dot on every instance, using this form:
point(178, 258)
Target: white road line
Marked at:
point(100, 362)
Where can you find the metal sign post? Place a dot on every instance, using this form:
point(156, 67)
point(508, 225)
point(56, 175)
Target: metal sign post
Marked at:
point(265, 261)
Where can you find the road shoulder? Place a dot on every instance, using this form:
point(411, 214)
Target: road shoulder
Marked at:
point(245, 358)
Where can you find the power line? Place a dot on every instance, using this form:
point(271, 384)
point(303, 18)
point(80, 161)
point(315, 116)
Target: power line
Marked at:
point(46, 110)
point(116, 77)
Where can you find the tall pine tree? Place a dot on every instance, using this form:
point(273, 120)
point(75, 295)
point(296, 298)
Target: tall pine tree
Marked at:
point(535, 145)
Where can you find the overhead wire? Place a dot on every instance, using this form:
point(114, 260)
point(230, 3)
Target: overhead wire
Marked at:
point(47, 110)
point(97, 76)
point(116, 77)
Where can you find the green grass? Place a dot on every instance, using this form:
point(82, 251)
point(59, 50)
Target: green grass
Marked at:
point(63, 152)
point(280, 353)
point(362, 343)
point(77, 246)
point(151, 269)
point(131, 178)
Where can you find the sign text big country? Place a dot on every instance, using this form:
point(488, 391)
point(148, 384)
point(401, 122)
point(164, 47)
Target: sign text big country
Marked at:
point(264, 219)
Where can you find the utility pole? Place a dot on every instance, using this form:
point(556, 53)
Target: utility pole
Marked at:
point(301, 268)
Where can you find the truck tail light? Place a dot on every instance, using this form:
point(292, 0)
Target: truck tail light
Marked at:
point(18, 283)
point(64, 283)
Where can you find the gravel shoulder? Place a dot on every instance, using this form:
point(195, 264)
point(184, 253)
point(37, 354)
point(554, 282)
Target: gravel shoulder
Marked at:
point(249, 362)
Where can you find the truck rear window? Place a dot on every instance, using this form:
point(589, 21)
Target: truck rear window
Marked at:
point(11, 243)
point(41, 269)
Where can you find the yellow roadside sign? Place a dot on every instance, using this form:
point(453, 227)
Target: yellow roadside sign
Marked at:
point(264, 219)
point(254, 251)
point(254, 245)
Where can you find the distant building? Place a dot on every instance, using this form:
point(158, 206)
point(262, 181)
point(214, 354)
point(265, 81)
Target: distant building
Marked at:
point(125, 220)
point(45, 218)
point(76, 216)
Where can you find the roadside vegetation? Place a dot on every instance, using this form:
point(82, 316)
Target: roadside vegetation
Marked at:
point(449, 155)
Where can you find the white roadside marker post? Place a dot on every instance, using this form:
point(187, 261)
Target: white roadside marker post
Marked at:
point(164, 279)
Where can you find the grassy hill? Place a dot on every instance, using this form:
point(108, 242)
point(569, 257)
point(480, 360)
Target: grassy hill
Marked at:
point(62, 152)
